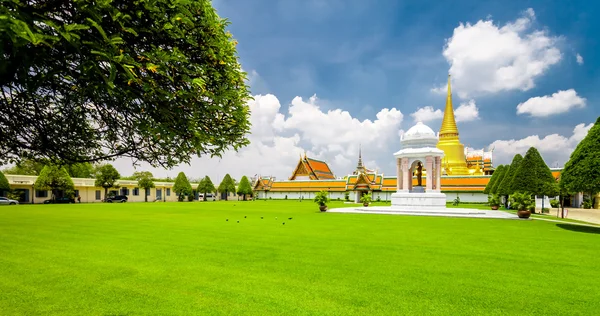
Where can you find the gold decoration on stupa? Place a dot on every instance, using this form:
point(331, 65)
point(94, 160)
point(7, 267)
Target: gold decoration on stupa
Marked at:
point(454, 161)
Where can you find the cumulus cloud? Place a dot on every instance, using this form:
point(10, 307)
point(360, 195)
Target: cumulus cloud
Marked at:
point(467, 112)
point(554, 148)
point(487, 58)
point(559, 102)
point(579, 59)
point(426, 114)
point(279, 138)
point(464, 113)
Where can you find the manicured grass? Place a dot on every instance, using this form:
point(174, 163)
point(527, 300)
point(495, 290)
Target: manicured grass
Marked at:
point(186, 259)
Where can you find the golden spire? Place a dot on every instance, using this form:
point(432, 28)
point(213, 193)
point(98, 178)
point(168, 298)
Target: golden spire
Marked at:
point(449, 128)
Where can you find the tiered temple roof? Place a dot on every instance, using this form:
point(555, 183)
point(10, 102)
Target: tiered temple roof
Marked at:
point(312, 169)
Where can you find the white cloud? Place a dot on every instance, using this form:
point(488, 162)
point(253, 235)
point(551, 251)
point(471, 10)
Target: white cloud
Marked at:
point(467, 112)
point(555, 149)
point(559, 102)
point(579, 59)
point(464, 113)
point(426, 114)
point(277, 141)
point(488, 58)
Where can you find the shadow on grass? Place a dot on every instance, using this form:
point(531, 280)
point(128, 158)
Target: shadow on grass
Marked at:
point(580, 228)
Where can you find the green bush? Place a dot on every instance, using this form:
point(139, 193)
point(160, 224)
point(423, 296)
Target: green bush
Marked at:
point(587, 203)
point(322, 198)
point(378, 199)
point(347, 196)
point(494, 200)
point(190, 197)
point(545, 210)
point(366, 199)
point(456, 201)
point(555, 203)
point(522, 201)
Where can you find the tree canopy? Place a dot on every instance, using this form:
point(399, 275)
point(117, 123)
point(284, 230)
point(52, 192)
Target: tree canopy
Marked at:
point(26, 167)
point(493, 179)
point(227, 185)
point(81, 170)
point(4, 185)
point(534, 176)
point(501, 173)
point(106, 177)
point(81, 81)
point(144, 179)
point(506, 188)
point(582, 171)
point(54, 178)
point(244, 188)
point(205, 186)
point(182, 185)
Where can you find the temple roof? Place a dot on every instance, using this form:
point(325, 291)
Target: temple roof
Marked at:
point(313, 169)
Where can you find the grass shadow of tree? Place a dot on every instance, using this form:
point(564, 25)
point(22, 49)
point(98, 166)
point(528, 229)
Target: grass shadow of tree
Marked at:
point(580, 228)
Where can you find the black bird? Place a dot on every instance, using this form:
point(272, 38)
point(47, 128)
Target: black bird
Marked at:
point(290, 218)
point(283, 223)
point(227, 220)
point(238, 222)
point(261, 217)
point(244, 216)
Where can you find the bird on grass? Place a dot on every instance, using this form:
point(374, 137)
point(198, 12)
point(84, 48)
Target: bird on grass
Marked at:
point(227, 220)
point(261, 217)
point(238, 222)
point(290, 218)
point(244, 216)
point(283, 223)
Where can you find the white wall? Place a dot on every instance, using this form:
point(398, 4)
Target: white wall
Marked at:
point(280, 195)
point(466, 197)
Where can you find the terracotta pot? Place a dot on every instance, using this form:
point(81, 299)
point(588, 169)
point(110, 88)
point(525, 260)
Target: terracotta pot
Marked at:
point(365, 204)
point(494, 207)
point(523, 214)
point(323, 208)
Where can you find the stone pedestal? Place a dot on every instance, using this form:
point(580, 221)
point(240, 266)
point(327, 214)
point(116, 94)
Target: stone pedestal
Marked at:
point(418, 201)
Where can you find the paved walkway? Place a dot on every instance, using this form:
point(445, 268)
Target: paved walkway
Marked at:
point(449, 212)
point(586, 215)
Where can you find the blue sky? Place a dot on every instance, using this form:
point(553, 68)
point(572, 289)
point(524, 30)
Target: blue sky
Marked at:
point(364, 56)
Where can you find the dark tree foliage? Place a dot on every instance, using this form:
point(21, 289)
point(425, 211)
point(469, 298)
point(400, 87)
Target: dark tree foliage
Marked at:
point(4, 185)
point(244, 188)
point(582, 171)
point(26, 167)
point(182, 186)
point(206, 186)
point(493, 180)
point(534, 176)
point(54, 178)
point(501, 173)
point(85, 81)
point(106, 177)
point(227, 185)
point(144, 179)
point(506, 187)
point(81, 170)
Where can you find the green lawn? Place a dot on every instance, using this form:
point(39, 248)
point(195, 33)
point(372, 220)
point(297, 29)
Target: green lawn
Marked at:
point(186, 259)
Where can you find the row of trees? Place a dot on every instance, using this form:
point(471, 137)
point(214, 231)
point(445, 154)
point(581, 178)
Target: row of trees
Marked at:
point(58, 178)
point(530, 174)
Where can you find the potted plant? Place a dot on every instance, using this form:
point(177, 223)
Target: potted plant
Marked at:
point(523, 202)
point(366, 199)
point(322, 198)
point(494, 201)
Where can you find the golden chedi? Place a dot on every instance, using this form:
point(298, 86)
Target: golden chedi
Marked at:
point(454, 161)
